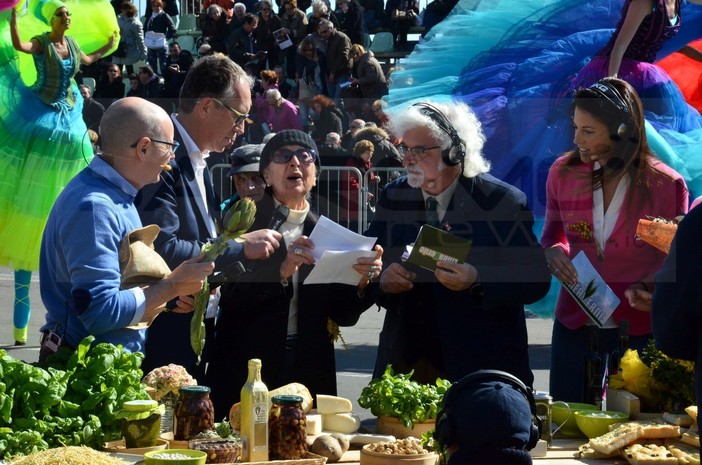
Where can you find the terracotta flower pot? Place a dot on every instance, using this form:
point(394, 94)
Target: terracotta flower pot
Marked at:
point(394, 427)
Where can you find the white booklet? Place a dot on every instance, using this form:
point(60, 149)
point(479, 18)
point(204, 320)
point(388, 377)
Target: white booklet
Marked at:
point(282, 39)
point(593, 295)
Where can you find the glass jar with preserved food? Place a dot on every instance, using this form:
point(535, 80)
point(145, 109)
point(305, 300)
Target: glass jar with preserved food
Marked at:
point(287, 428)
point(141, 423)
point(194, 412)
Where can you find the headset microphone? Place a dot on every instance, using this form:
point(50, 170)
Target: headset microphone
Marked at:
point(605, 89)
point(456, 152)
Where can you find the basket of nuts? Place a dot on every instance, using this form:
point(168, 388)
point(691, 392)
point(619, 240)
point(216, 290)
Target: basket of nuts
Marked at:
point(408, 451)
point(219, 450)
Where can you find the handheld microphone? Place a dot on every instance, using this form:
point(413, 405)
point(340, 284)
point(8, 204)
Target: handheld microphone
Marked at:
point(280, 216)
point(233, 272)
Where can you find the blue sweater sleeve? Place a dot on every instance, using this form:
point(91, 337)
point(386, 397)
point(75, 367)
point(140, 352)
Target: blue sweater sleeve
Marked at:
point(93, 265)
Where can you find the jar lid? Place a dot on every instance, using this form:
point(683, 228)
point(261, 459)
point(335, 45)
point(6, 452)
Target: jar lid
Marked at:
point(286, 399)
point(195, 389)
point(139, 405)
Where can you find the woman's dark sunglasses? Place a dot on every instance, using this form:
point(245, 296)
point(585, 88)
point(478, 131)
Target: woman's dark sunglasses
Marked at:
point(304, 156)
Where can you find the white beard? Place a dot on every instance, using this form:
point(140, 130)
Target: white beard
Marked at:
point(415, 176)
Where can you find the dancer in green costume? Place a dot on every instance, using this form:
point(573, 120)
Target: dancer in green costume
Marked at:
point(43, 141)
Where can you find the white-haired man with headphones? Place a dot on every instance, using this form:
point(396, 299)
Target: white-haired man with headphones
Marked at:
point(465, 316)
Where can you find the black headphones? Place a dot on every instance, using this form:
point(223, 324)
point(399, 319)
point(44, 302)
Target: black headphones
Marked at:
point(606, 90)
point(457, 151)
point(444, 431)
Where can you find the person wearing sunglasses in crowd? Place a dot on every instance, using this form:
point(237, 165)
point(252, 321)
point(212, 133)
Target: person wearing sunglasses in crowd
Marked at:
point(269, 313)
point(85, 281)
point(214, 103)
point(268, 23)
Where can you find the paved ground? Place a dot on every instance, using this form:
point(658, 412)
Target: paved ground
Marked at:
point(354, 364)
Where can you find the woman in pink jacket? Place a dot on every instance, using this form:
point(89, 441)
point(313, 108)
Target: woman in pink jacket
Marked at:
point(595, 196)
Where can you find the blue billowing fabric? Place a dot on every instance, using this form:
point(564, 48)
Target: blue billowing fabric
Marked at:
point(515, 63)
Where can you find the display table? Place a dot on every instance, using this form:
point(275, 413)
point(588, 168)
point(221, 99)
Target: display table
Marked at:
point(561, 452)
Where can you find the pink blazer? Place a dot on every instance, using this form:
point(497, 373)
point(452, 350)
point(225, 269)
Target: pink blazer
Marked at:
point(569, 224)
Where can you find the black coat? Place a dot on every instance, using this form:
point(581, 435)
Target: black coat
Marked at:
point(385, 154)
point(162, 23)
point(253, 324)
point(456, 331)
point(107, 91)
point(677, 299)
point(352, 22)
point(331, 119)
point(175, 205)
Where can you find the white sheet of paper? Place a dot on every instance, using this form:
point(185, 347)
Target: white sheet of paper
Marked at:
point(328, 235)
point(336, 267)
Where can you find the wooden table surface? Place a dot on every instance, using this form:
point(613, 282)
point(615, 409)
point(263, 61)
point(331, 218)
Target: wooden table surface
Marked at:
point(561, 452)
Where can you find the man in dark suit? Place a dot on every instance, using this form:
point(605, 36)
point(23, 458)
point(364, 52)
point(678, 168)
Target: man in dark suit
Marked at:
point(184, 203)
point(463, 316)
point(677, 297)
point(241, 44)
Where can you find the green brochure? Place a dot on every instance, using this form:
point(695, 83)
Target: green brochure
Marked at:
point(434, 244)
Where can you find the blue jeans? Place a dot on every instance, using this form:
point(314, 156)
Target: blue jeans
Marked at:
point(157, 59)
point(334, 90)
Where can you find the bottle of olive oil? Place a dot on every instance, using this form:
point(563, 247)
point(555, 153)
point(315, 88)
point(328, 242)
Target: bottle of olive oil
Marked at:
point(254, 416)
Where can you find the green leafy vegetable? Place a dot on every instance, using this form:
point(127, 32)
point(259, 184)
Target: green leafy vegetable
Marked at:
point(400, 397)
point(73, 402)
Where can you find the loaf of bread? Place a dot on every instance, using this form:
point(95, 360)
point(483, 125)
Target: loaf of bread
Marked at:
point(692, 411)
point(686, 455)
point(649, 454)
point(656, 429)
point(681, 419)
point(585, 451)
point(691, 437)
point(623, 435)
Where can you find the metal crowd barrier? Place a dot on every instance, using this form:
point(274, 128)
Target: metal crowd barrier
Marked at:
point(328, 197)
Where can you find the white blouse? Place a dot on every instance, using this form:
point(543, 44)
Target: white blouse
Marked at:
point(604, 222)
point(291, 230)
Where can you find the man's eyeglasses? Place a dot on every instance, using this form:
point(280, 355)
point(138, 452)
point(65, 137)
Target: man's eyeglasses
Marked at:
point(324, 31)
point(239, 116)
point(304, 156)
point(174, 145)
point(418, 152)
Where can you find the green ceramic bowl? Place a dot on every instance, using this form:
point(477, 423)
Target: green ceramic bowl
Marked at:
point(595, 423)
point(563, 416)
point(175, 457)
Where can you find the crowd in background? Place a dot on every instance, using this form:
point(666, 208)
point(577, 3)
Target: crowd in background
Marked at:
point(310, 72)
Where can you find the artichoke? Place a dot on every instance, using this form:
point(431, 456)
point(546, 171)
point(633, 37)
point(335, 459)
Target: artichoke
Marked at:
point(237, 221)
